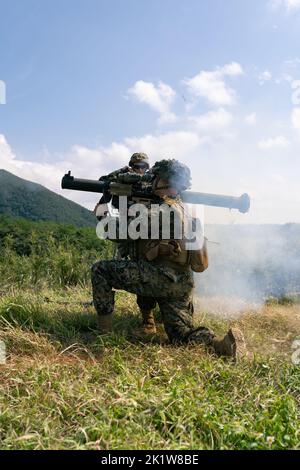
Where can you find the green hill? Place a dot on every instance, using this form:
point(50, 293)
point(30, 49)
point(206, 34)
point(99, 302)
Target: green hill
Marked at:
point(22, 198)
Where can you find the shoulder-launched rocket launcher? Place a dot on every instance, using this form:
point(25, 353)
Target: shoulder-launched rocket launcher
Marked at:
point(140, 187)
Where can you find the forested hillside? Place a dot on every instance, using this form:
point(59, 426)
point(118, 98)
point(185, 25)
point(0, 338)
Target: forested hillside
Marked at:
point(22, 198)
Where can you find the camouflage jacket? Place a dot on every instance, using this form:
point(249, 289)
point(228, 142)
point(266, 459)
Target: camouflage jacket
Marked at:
point(162, 241)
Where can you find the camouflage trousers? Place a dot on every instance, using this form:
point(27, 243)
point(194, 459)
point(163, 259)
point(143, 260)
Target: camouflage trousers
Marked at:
point(172, 291)
point(121, 252)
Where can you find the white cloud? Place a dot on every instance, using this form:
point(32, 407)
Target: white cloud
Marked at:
point(6, 154)
point(232, 70)
point(296, 92)
point(251, 119)
point(99, 159)
point(264, 77)
point(211, 85)
point(85, 162)
point(47, 174)
point(296, 119)
point(92, 163)
point(290, 5)
point(292, 63)
point(215, 168)
point(160, 98)
point(180, 144)
point(198, 141)
point(213, 121)
point(274, 143)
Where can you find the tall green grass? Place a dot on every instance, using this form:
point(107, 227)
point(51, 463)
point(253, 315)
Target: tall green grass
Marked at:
point(50, 263)
point(66, 387)
point(62, 389)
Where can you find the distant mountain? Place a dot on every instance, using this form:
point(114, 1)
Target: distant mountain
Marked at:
point(22, 198)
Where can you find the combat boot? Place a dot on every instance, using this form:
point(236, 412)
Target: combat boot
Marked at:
point(232, 345)
point(148, 328)
point(148, 322)
point(105, 324)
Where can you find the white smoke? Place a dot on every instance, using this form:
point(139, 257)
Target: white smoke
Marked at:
point(251, 263)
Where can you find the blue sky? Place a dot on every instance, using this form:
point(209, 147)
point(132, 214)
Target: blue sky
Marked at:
point(210, 82)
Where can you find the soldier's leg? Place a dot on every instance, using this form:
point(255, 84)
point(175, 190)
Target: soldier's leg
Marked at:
point(146, 305)
point(177, 311)
point(103, 296)
point(177, 315)
point(136, 277)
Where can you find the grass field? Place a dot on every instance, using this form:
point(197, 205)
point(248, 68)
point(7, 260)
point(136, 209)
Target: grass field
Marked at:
point(64, 387)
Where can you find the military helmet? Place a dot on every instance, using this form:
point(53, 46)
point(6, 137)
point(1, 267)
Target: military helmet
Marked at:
point(176, 173)
point(139, 158)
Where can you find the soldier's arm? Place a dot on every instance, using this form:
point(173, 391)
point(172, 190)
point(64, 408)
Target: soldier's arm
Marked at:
point(106, 197)
point(199, 258)
point(196, 244)
point(114, 174)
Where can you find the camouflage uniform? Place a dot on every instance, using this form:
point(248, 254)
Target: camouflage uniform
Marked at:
point(121, 251)
point(172, 290)
point(165, 278)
